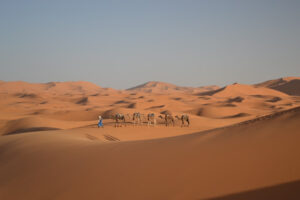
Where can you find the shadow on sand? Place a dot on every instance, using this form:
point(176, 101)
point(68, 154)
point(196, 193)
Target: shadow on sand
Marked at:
point(289, 191)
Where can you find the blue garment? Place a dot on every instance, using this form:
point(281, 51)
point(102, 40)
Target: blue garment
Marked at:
point(100, 123)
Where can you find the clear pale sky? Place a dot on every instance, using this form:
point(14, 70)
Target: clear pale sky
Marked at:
point(123, 43)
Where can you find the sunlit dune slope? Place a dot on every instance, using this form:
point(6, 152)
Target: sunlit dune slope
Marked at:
point(249, 156)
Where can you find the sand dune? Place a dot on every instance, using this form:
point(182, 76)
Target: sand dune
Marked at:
point(79, 115)
point(30, 124)
point(242, 142)
point(242, 90)
point(162, 87)
point(288, 85)
point(216, 112)
point(58, 88)
point(247, 157)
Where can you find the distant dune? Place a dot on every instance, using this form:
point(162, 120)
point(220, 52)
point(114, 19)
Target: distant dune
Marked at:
point(241, 90)
point(161, 87)
point(58, 88)
point(288, 85)
point(242, 142)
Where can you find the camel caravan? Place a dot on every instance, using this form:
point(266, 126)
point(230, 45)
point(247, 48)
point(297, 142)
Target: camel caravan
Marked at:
point(138, 119)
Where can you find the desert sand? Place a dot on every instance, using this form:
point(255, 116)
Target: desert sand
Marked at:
point(242, 143)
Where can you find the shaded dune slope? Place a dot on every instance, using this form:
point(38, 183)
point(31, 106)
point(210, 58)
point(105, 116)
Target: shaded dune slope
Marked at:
point(30, 124)
point(288, 190)
point(288, 85)
point(242, 90)
point(162, 87)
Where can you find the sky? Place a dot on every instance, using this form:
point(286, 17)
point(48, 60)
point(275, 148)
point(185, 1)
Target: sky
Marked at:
point(124, 43)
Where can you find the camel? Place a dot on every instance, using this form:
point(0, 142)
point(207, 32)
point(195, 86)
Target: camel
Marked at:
point(151, 119)
point(184, 118)
point(136, 118)
point(119, 118)
point(169, 119)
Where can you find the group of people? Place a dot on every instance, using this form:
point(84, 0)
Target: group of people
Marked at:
point(151, 120)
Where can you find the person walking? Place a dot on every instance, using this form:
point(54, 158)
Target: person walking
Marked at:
point(100, 122)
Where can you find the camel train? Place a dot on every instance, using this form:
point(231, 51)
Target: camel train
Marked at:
point(138, 118)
